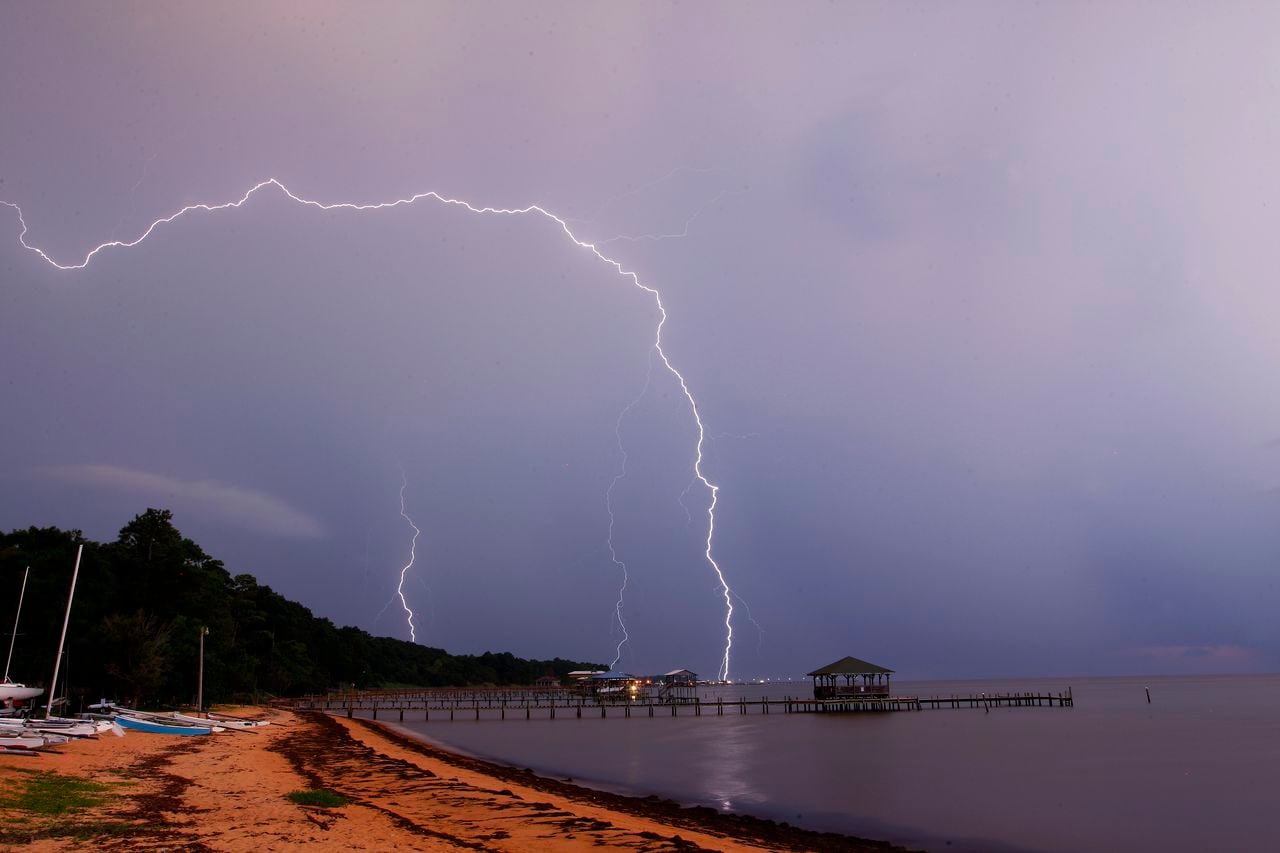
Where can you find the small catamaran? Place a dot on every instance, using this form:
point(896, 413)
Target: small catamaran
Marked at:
point(156, 722)
point(159, 725)
point(228, 723)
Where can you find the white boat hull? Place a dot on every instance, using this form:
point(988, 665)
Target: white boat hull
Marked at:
point(20, 692)
point(238, 725)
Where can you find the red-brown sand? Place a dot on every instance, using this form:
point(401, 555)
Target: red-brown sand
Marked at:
point(227, 792)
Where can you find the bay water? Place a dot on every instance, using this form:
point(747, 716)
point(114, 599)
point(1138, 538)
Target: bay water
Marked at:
point(1197, 768)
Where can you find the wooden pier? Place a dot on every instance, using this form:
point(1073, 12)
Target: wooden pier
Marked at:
point(517, 703)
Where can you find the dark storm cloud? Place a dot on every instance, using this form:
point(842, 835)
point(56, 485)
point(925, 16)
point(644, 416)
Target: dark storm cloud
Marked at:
point(988, 285)
point(241, 506)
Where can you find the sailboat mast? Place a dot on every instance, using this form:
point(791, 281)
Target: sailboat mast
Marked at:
point(57, 662)
point(14, 636)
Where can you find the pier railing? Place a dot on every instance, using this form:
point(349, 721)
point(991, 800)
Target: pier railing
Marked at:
point(502, 704)
point(851, 690)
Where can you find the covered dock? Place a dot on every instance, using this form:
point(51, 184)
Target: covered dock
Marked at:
point(851, 678)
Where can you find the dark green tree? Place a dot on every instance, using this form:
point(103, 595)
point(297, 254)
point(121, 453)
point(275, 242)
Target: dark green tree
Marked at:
point(142, 601)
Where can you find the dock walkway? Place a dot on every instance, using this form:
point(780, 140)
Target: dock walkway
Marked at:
point(516, 704)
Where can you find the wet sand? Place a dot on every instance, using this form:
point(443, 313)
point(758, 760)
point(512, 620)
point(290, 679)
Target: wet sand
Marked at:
point(228, 793)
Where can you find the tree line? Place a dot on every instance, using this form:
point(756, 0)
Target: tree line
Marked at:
point(140, 604)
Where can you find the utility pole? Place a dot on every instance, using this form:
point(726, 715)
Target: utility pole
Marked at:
point(200, 681)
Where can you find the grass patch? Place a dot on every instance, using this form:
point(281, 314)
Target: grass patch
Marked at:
point(54, 794)
point(85, 831)
point(322, 797)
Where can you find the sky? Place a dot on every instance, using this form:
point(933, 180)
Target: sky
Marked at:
point(977, 302)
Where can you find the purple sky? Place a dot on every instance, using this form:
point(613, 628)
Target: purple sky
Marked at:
point(978, 302)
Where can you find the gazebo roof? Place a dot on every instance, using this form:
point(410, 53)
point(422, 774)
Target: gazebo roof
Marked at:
point(850, 666)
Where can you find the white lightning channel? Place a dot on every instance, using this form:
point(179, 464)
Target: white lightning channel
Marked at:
point(532, 209)
point(608, 504)
point(674, 235)
point(413, 555)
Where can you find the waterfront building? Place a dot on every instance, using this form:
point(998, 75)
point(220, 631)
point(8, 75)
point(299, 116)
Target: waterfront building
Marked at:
point(850, 677)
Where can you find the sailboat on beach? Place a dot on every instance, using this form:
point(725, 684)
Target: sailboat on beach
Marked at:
point(11, 693)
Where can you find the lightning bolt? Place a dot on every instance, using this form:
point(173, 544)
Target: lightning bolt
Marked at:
point(688, 517)
point(413, 555)
point(675, 235)
point(608, 503)
point(693, 481)
point(133, 201)
point(528, 210)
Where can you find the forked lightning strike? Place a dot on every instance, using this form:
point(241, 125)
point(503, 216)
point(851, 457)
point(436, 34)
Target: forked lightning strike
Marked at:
point(413, 555)
point(608, 504)
point(675, 235)
point(712, 489)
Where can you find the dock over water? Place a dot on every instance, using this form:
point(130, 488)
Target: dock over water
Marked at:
point(540, 703)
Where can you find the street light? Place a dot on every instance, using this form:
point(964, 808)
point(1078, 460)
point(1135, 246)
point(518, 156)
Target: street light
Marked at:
point(204, 632)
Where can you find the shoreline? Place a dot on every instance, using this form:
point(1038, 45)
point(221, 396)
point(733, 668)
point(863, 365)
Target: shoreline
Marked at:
point(228, 792)
point(768, 833)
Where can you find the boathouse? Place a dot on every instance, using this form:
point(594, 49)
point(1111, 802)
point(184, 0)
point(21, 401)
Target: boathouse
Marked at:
point(850, 677)
point(612, 684)
point(678, 685)
point(679, 676)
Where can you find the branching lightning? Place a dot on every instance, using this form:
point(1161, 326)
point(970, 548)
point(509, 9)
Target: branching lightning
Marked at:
point(675, 235)
point(413, 555)
point(608, 504)
point(532, 209)
point(133, 201)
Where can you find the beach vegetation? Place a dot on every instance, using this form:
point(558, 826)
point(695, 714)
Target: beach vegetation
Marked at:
point(23, 832)
point(55, 794)
point(320, 797)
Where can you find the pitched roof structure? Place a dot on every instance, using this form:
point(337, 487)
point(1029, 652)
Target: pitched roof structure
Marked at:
point(611, 675)
point(850, 666)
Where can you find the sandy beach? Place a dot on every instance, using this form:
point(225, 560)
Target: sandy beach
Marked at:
point(228, 792)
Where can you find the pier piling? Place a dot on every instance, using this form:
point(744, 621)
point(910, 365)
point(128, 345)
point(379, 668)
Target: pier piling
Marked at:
point(549, 703)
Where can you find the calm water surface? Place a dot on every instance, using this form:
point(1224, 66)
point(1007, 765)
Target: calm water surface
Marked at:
point(1197, 769)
